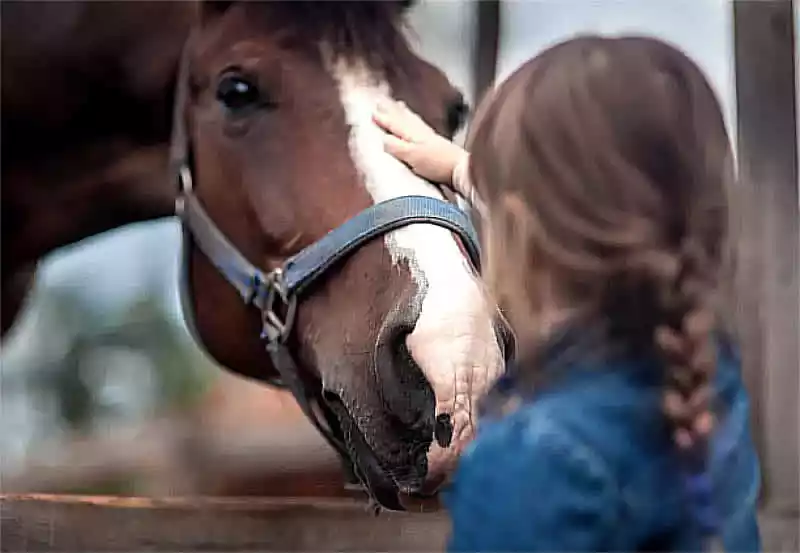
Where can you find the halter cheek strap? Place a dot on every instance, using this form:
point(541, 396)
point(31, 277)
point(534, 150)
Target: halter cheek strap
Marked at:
point(198, 229)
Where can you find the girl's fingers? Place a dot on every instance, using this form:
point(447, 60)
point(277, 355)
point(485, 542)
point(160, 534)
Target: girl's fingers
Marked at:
point(391, 123)
point(398, 147)
point(412, 123)
point(398, 119)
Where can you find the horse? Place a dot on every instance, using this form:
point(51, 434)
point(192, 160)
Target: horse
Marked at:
point(359, 277)
point(87, 92)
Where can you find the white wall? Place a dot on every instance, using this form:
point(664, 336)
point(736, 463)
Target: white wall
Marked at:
point(702, 28)
point(443, 33)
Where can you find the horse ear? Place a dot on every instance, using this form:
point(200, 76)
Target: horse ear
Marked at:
point(210, 9)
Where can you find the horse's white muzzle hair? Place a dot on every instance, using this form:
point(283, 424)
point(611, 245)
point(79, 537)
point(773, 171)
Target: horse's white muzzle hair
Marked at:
point(455, 344)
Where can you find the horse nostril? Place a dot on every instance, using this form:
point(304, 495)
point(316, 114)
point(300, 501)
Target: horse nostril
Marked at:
point(443, 430)
point(404, 389)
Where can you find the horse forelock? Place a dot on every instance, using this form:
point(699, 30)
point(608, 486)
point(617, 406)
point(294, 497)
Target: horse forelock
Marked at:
point(369, 31)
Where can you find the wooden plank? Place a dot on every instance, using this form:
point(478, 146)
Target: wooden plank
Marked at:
point(766, 102)
point(101, 524)
point(105, 524)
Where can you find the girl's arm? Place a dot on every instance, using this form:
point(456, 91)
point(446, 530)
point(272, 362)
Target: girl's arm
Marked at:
point(461, 184)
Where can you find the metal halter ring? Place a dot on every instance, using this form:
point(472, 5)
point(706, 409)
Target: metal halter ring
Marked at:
point(186, 185)
point(276, 330)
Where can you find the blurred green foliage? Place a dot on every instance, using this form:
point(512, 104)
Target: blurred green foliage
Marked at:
point(79, 369)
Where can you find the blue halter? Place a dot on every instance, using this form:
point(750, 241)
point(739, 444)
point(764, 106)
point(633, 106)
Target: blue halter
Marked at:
point(288, 283)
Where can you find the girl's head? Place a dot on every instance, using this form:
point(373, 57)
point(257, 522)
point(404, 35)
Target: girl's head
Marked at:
point(604, 164)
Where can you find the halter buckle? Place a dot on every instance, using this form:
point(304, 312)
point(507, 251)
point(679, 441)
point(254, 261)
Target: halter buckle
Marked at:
point(275, 330)
point(184, 176)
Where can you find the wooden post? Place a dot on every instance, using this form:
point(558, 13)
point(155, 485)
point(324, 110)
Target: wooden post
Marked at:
point(767, 137)
point(486, 42)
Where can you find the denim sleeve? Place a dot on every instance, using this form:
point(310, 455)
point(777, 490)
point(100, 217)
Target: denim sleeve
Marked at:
point(528, 485)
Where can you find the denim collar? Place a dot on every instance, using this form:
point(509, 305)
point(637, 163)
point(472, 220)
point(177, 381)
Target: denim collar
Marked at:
point(552, 361)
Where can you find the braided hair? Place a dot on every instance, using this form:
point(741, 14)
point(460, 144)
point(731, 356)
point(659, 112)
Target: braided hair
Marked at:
point(683, 331)
point(604, 164)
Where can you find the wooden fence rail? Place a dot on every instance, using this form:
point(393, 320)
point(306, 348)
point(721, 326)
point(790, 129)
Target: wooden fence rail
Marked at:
point(105, 524)
point(87, 524)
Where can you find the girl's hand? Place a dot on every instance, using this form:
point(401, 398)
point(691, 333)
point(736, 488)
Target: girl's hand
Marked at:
point(413, 142)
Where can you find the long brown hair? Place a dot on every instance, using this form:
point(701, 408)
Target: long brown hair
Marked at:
point(605, 164)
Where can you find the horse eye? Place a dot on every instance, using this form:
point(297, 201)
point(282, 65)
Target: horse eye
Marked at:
point(236, 93)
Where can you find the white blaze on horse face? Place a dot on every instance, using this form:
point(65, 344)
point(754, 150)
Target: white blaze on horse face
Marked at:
point(454, 340)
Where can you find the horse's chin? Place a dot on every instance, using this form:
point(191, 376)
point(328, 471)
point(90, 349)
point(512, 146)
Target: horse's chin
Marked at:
point(382, 488)
point(365, 472)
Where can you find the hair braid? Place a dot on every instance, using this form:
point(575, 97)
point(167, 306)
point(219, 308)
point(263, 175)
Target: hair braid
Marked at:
point(686, 344)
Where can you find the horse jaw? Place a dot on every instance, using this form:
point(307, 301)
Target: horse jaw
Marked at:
point(454, 341)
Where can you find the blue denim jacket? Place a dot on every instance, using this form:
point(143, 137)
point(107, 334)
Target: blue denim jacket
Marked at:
point(589, 466)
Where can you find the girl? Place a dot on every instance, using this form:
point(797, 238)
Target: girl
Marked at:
point(601, 168)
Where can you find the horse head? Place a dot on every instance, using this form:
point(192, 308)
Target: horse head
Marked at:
point(398, 336)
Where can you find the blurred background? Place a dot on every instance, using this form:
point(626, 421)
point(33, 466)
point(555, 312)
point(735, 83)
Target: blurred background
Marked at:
point(103, 391)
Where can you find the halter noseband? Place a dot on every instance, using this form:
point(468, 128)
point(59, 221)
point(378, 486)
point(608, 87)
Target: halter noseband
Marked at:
point(276, 294)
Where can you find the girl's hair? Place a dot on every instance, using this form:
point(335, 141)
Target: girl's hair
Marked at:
point(605, 164)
